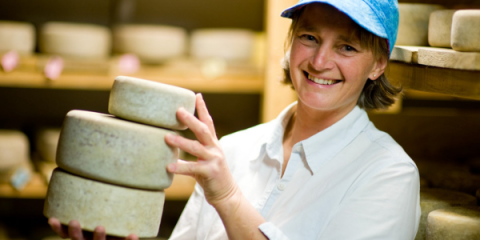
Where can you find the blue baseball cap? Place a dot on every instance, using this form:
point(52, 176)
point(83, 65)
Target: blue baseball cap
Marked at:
point(379, 17)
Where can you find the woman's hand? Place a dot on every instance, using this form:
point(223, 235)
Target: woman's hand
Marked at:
point(74, 231)
point(210, 170)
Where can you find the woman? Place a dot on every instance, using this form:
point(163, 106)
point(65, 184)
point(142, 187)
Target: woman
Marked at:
point(321, 170)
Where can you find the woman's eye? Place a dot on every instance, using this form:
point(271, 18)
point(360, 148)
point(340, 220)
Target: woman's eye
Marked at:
point(349, 48)
point(308, 39)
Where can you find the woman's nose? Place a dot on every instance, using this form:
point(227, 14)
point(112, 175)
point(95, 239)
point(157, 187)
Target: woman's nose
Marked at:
point(322, 59)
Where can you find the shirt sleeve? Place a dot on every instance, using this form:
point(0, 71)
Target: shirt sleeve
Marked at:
point(386, 206)
point(186, 227)
point(272, 232)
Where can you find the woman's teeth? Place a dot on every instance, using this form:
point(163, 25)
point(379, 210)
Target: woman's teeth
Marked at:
point(321, 81)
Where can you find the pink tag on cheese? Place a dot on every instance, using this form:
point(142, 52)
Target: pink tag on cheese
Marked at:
point(128, 63)
point(53, 68)
point(10, 61)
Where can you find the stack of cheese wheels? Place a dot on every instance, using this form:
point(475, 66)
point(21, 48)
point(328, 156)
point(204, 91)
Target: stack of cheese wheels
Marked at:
point(432, 199)
point(413, 25)
point(465, 31)
point(17, 36)
point(75, 40)
point(440, 28)
point(46, 145)
point(112, 172)
point(459, 223)
point(227, 44)
point(14, 158)
point(151, 43)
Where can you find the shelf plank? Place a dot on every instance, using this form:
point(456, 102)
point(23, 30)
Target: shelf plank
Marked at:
point(449, 58)
point(459, 83)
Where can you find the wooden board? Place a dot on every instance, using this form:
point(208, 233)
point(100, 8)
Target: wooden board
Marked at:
point(448, 58)
point(407, 54)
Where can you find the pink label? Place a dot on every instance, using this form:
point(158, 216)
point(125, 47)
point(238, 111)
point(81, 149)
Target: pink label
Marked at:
point(54, 67)
point(128, 63)
point(10, 61)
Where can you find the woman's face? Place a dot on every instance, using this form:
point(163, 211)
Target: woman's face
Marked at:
point(328, 68)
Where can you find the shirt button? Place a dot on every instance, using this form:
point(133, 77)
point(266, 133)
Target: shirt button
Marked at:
point(281, 186)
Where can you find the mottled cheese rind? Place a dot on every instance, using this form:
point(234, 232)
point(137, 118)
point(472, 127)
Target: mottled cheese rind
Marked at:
point(458, 223)
point(432, 199)
point(47, 142)
point(413, 23)
point(465, 31)
point(104, 148)
point(440, 28)
point(122, 211)
point(227, 44)
point(149, 102)
point(75, 40)
point(17, 36)
point(151, 43)
point(14, 149)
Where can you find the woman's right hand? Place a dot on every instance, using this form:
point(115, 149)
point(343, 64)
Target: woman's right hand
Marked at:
point(74, 231)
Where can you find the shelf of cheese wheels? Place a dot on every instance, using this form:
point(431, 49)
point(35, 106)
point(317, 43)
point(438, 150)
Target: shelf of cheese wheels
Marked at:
point(210, 75)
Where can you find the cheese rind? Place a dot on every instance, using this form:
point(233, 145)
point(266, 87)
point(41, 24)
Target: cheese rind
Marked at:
point(14, 149)
point(149, 102)
point(122, 211)
point(227, 44)
point(47, 142)
point(104, 148)
point(17, 36)
point(459, 223)
point(440, 28)
point(432, 199)
point(151, 43)
point(465, 31)
point(413, 25)
point(75, 40)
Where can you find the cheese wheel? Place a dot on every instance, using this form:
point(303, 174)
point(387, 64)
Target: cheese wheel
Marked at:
point(104, 148)
point(122, 211)
point(47, 141)
point(14, 149)
point(151, 43)
point(75, 40)
point(459, 223)
point(431, 199)
point(413, 25)
point(465, 31)
point(17, 36)
point(149, 102)
point(440, 28)
point(228, 44)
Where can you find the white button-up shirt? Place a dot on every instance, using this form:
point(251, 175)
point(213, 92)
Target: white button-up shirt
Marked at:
point(349, 181)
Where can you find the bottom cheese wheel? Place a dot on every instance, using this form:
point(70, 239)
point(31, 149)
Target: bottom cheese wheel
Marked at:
point(459, 223)
point(432, 199)
point(122, 211)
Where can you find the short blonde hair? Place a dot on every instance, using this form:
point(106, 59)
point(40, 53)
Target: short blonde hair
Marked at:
point(376, 94)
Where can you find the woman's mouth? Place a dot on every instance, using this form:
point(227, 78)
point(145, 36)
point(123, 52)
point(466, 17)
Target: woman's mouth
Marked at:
point(320, 80)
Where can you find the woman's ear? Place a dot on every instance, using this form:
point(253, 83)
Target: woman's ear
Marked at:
point(378, 68)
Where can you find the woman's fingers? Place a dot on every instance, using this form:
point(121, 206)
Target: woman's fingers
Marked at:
point(203, 113)
point(191, 146)
point(58, 228)
point(75, 230)
point(187, 168)
point(99, 233)
point(200, 129)
point(132, 237)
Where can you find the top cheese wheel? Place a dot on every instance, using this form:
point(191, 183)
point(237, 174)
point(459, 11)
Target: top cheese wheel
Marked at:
point(14, 149)
point(104, 148)
point(465, 31)
point(459, 223)
point(431, 199)
point(149, 102)
point(151, 43)
point(17, 36)
point(75, 40)
point(440, 28)
point(228, 44)
point(47, 141)
point(413, 25)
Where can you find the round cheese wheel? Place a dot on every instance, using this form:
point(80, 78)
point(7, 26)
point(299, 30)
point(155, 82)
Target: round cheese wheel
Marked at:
point(104, 148)
point(459, 223)
point(228, 44)
point(151, 43)
point(149, 102)
point(122, 211)
point(413, 25)
point(440, 28)
point(47, 141)
point(465, 31)
point(17, 36)
point(75, 40)
point(431, 199)
point(14, 149)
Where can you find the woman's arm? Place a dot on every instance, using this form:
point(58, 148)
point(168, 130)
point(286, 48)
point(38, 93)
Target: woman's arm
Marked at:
point(240, 218)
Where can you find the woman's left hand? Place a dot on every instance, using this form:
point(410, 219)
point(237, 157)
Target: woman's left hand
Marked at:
point(211, 170)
